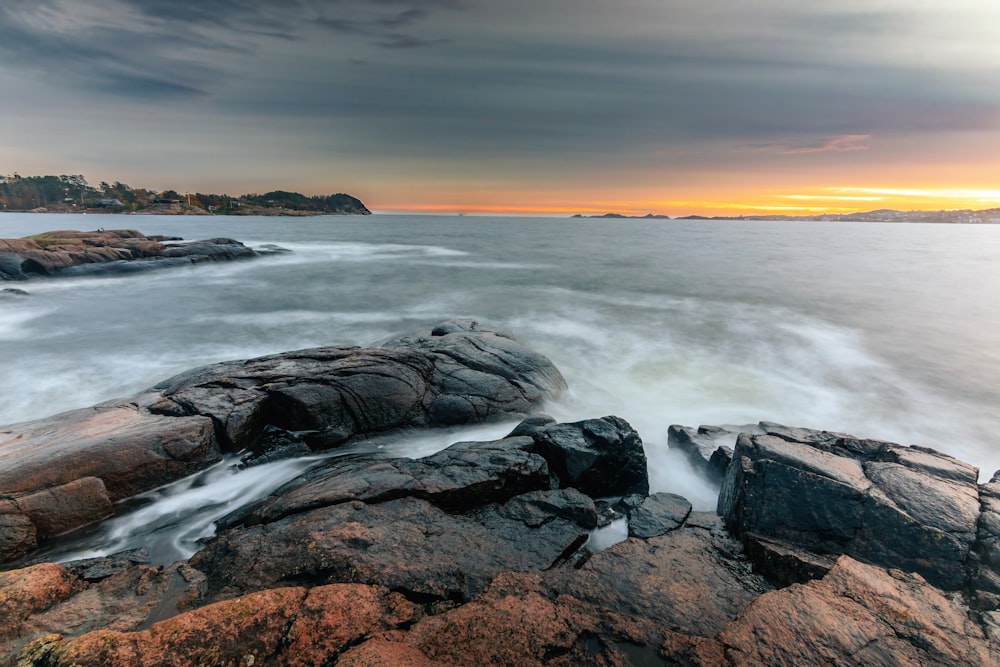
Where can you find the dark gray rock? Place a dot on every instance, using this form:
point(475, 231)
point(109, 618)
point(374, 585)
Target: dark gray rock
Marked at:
point(271, 407)
point(98, 569)
point(985, 559)
point(330, 395)
point(784, 563)
point(658, 514)
point(601, 457)
point(916, 510)
point(407, 545)
point(459, 478)
point(708, 449)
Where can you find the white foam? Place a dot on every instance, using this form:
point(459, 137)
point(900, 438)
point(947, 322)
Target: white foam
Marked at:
point(16, 321)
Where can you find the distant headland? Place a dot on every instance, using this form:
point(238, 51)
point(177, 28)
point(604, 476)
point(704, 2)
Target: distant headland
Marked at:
point(72, 194)
point(963, 216)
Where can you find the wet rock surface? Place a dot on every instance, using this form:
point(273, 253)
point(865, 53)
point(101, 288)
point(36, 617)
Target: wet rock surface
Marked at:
point(910, 508)
point(324, 396)
point(479, 554)
point(75, 253)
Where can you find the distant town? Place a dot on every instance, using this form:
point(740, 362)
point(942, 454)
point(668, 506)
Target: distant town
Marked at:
point(965, 216)
point(73, 194)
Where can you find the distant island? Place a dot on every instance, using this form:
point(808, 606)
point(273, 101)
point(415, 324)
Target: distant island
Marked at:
point(648, 216)
point(963, 216)
point(72, 194)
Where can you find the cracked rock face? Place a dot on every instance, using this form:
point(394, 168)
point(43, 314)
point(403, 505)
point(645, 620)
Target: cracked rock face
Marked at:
point(326, 396)
point(474, 556)
point(441, 527)
point(910, 508)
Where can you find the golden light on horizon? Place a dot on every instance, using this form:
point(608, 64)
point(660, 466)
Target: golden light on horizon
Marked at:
point(852, 199)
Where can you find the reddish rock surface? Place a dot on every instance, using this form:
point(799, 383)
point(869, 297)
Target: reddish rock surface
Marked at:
point(284, 626)
point(476, 555)
point(64, 253)
point(856, 615)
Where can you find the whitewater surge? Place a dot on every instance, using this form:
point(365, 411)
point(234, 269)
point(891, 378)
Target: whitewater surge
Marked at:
point(809, 324)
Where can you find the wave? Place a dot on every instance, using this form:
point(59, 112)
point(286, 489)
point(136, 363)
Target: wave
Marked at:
point(16, 322)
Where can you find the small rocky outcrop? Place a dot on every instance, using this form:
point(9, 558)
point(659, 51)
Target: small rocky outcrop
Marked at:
point(74, 253)
point(320, 398)
point(708, 449)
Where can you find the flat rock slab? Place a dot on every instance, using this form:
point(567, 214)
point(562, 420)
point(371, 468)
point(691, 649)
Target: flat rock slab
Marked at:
point(406, 545)
point(658, 514)
point(856, 615)
point(74, 253)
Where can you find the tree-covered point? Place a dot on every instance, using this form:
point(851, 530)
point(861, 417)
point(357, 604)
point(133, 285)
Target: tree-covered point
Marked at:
point(338, 203)
point(73, 193)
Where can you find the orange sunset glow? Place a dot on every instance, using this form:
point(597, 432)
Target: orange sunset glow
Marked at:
point(559, 109)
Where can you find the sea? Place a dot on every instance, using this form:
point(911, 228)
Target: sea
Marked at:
point(888, 331)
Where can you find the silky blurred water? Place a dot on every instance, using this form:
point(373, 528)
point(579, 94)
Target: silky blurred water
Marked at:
point(888, 331)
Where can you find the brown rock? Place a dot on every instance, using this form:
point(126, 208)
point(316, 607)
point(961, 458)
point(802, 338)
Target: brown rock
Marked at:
point(122, 444)
point(127, 601)
point(693, 578)
point(284, 626)
point(60, 508)
point(381, 652)
point(27, 592)
point(857, 615)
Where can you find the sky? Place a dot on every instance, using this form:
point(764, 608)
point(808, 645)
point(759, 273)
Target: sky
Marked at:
point(672, 107)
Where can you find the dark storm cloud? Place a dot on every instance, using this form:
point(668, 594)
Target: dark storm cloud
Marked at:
point(164, 48)
point(533, 79)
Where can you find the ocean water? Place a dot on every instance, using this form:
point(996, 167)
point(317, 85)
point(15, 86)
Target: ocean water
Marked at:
point(888, 331)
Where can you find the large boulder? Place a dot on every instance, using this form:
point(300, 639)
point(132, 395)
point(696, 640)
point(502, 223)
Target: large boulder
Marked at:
point(440, 527)
point(910, 508)
point(320, 398)
point(331, 394)
point(601, 457)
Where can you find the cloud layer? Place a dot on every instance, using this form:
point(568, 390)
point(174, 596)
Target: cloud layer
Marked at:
point(481, 92)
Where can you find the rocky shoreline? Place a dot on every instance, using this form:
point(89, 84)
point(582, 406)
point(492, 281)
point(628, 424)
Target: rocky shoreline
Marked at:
point(826, 549)
point(112, 252)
